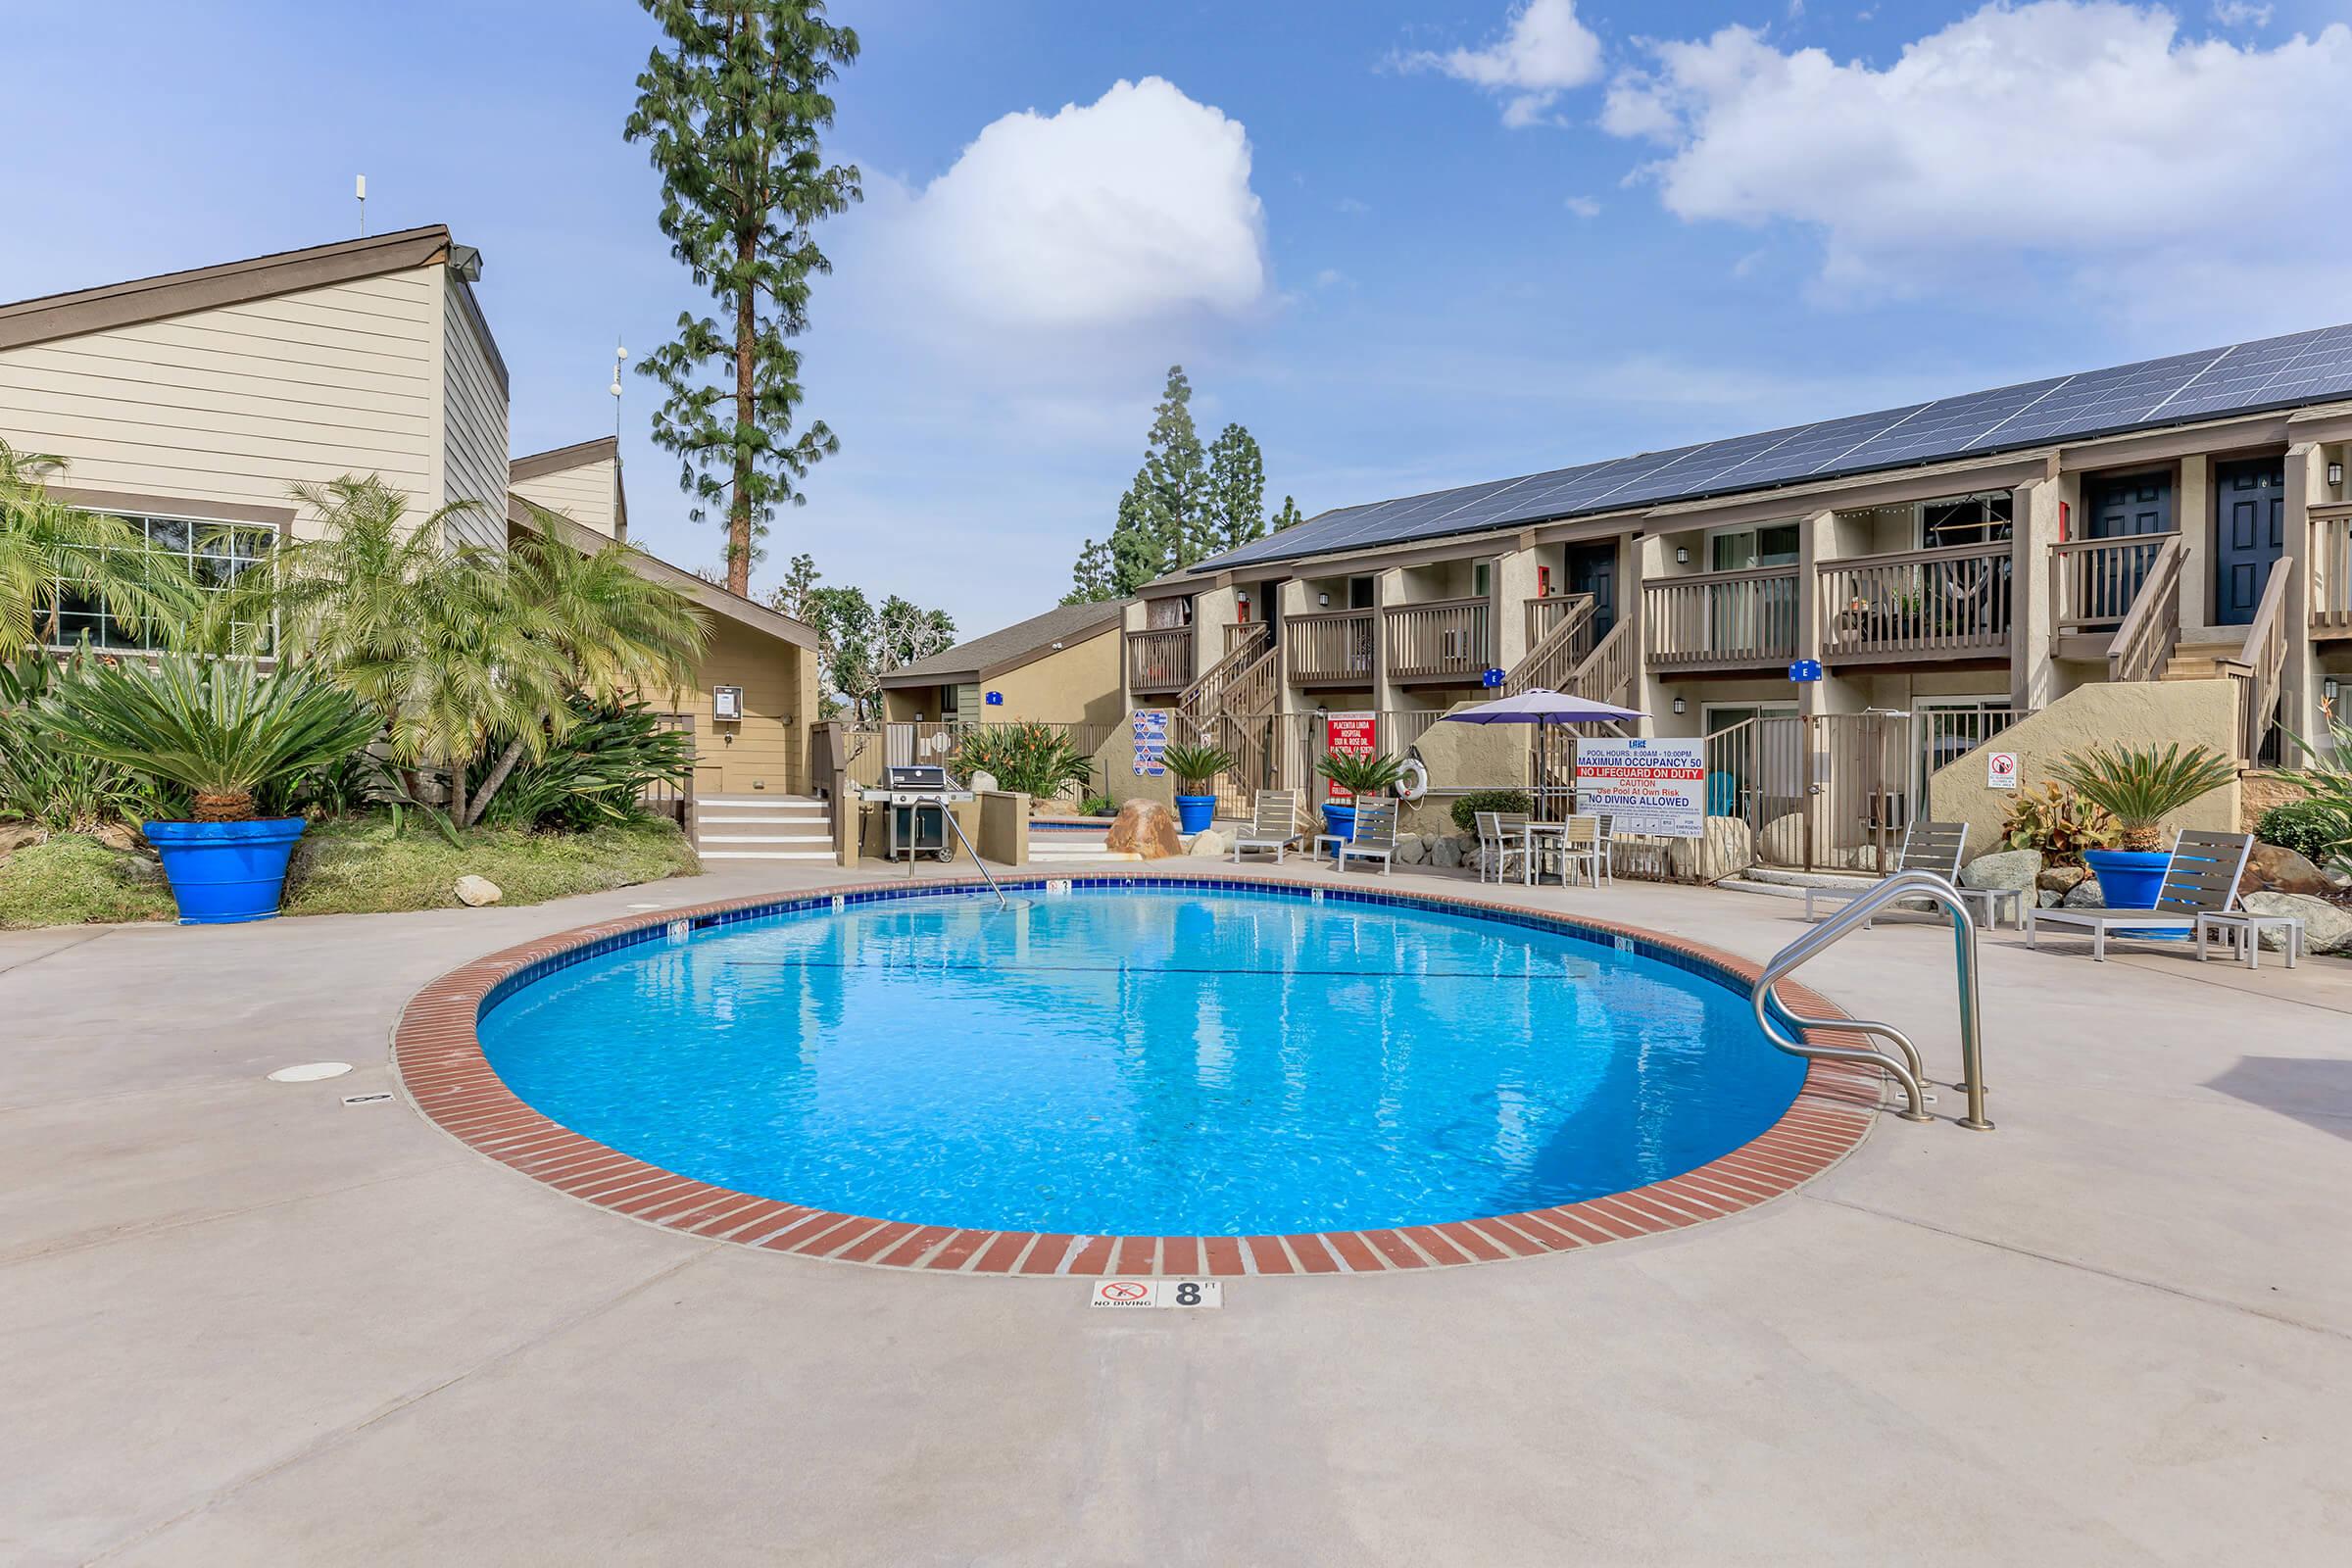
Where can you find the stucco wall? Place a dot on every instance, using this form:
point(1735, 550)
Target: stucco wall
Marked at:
point(766, 752)
point(2134, 714)
point(1079, 685)
point(234, 405)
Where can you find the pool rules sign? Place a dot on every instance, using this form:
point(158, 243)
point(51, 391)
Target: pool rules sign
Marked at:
point(1656, 787)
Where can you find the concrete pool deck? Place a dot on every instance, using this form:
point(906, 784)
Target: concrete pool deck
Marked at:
point(246, 1323)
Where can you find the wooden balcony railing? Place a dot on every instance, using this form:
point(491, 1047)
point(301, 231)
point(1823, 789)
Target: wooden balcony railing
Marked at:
point(2331, 569)
point(1339, 649)
point(2260, 670)
point(1546, 615)
point(1952, 603)
point(1559, 639)
point(1721, 618)
point(2095, 582)
point(1160, 660)
point(1443, 639)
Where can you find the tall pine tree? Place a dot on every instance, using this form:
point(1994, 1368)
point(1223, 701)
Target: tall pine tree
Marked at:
point(1290, 517)
point(1236, 491)
point(732, 105)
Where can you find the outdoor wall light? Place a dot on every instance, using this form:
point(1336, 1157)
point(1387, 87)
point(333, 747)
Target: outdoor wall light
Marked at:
point(1680, 705)
point(1324, 600)
point(1682, 555)
point(2336, 473)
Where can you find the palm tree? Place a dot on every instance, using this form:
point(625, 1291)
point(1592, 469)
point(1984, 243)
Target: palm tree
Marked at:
point(49, 550)
point(602, 631)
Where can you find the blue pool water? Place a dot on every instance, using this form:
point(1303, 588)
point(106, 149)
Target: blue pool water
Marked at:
point(1168, 1061)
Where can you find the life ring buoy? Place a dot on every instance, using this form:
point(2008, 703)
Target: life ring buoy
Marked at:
point(1412, 779)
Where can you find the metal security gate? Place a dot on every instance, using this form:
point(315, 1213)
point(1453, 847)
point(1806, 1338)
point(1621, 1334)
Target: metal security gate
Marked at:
point(1819, 791)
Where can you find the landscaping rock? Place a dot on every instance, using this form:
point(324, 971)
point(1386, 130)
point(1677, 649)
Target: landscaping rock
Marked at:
point(475, 890)
point(1412, 850)
point(2048, 898)
point(2004, 868)
point(2062, 879)
point(2327, 926)
point(982, 780)
point(1209, 841)
point(2086, 896)
point(1147, 829)
point(14, 836)
point(1447, 854)
point(119, 836)
point(2275, 868)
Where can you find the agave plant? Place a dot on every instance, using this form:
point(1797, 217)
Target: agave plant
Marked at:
point(2140, 786)
point(1196, 767)
point(1361, 776)
point(218, 729)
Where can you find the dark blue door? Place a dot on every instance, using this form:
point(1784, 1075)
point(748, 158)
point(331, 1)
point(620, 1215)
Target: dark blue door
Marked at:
point(2249, 529)
point(1592, 570)
point(2139, 503)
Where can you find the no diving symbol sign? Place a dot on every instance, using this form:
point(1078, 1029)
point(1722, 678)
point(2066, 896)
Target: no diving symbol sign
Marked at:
point(2001, 770)
point(1159, 1294)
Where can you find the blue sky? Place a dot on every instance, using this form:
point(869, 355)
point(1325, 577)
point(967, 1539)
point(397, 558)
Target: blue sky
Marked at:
point(1407, 245)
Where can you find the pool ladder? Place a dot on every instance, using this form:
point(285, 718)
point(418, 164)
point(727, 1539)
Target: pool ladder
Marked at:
point(1905, 1068)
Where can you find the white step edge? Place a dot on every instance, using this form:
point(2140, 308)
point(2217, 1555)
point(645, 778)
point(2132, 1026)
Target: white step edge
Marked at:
point(730, 803)
point(768, 820)
point(764, 838)
point(768, 855)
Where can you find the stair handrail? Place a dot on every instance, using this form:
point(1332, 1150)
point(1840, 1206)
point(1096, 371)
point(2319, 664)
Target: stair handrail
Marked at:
point(2264, 658)
point(2152, 625)
point(1535, 668)
point(1909, 1069)
point(1212, 679)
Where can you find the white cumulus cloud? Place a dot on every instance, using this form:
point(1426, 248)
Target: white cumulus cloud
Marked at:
point(1136, 206)
point(2088, 136)
point(1544, 49)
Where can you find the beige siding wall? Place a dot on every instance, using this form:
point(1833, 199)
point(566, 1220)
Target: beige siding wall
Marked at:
point(234, 405)
point(473, 446)
point(766, 752)
point(584, 494)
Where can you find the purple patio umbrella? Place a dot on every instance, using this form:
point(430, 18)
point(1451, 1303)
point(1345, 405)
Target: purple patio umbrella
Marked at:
point(1543, 708)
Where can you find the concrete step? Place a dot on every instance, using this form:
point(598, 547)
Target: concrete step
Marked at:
point(778, 839)
point(804, 802)
point(1770, 890)
point(825, 855)
point(764, 818)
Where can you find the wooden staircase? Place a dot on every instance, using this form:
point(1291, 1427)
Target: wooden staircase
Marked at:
point(1231, 708)
point(1566, 660)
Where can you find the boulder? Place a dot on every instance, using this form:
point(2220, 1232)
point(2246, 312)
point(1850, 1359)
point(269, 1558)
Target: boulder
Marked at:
point(1411, 849)
point(2085, 895)
point(14, 836)
point(119, 836)
point(2048, 898)
point(2327, 926)
point(1209, 841)
point(2275, 869)
point(1447, 854)
point(982, 780)
point(475, 890)
point(2003, 869)
point(2061, 880)
point(1145, 828)
point(1728, 848)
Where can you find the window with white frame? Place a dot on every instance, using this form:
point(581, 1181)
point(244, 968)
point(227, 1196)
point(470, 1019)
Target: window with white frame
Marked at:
point(216, 554)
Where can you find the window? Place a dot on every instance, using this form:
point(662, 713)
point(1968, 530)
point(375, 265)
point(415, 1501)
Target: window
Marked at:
point(1481, 575)
point(947, 702)
point(1979, 519)
point(217, 554)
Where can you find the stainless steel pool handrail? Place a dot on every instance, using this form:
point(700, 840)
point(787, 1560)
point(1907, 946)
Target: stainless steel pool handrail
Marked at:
point(1909, 1070)
point(978, 865)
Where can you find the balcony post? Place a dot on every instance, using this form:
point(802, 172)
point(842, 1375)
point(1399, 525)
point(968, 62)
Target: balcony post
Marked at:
point(1812, 697)
point(1513, 585)
point(1388, 589)
point(2299, 683)
point(2032, 591)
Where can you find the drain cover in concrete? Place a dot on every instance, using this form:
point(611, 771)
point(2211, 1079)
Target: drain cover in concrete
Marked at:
point(310, 1072)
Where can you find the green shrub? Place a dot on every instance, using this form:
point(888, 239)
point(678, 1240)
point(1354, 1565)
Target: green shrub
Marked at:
point(2059, 823)
point(1510, 801)
point(1033, 760)
point(1196, 767)
point(1097, 806)
point(2315, 829)
point(2326, 783)
point(593, 775)
point(48, 783)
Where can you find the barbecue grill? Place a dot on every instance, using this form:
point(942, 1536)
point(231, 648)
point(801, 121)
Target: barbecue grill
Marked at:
point(918, 795)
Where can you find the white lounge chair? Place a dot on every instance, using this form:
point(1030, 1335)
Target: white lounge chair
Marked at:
point(1927, 847)
point(2201, 878)
point(1273, 825)
point(1374, 838)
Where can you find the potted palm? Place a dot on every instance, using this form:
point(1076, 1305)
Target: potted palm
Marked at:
point(1196, 769)
point(1358, 776)
point(2140, 787)
point(221, 729)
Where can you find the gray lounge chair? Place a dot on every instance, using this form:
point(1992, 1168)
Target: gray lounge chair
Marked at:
point(1927, 847)
point(1273, 825)
point(1374, 838)
point(2201, 878)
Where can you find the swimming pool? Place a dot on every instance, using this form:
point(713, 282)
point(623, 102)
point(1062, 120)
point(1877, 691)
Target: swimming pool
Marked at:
point(1206, 1060)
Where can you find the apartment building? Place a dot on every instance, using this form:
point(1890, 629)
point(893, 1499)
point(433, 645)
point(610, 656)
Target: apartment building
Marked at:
point(1968, 559)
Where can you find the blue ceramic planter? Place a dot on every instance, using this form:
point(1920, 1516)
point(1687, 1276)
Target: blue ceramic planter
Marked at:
point(223, 873)
point(1195, 813)
point(1339, 821)
point(2130, 879)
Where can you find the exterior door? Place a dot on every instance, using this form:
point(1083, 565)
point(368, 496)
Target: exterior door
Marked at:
point(1592, 570)
point(2249, 530)
point(2138, 502)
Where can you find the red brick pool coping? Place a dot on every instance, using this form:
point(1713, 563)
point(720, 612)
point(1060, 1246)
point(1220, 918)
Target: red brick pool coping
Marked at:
point(439, 1059)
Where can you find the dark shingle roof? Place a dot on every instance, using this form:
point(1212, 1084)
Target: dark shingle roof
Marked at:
point(1014, 646)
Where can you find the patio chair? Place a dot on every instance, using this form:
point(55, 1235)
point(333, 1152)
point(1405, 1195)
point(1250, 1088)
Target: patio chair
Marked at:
point(1579, 846)
point(1498, 841)
point(1374, 838)
point(2200, 879)
point(1927, 847)
point(1604, 849)
point(1273, 825)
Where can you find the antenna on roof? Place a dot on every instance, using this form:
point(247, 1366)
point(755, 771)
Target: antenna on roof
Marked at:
point(362, 192)
point(618, 354)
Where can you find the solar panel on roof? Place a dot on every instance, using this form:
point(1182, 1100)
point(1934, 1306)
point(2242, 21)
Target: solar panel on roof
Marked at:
point(2244, 378)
